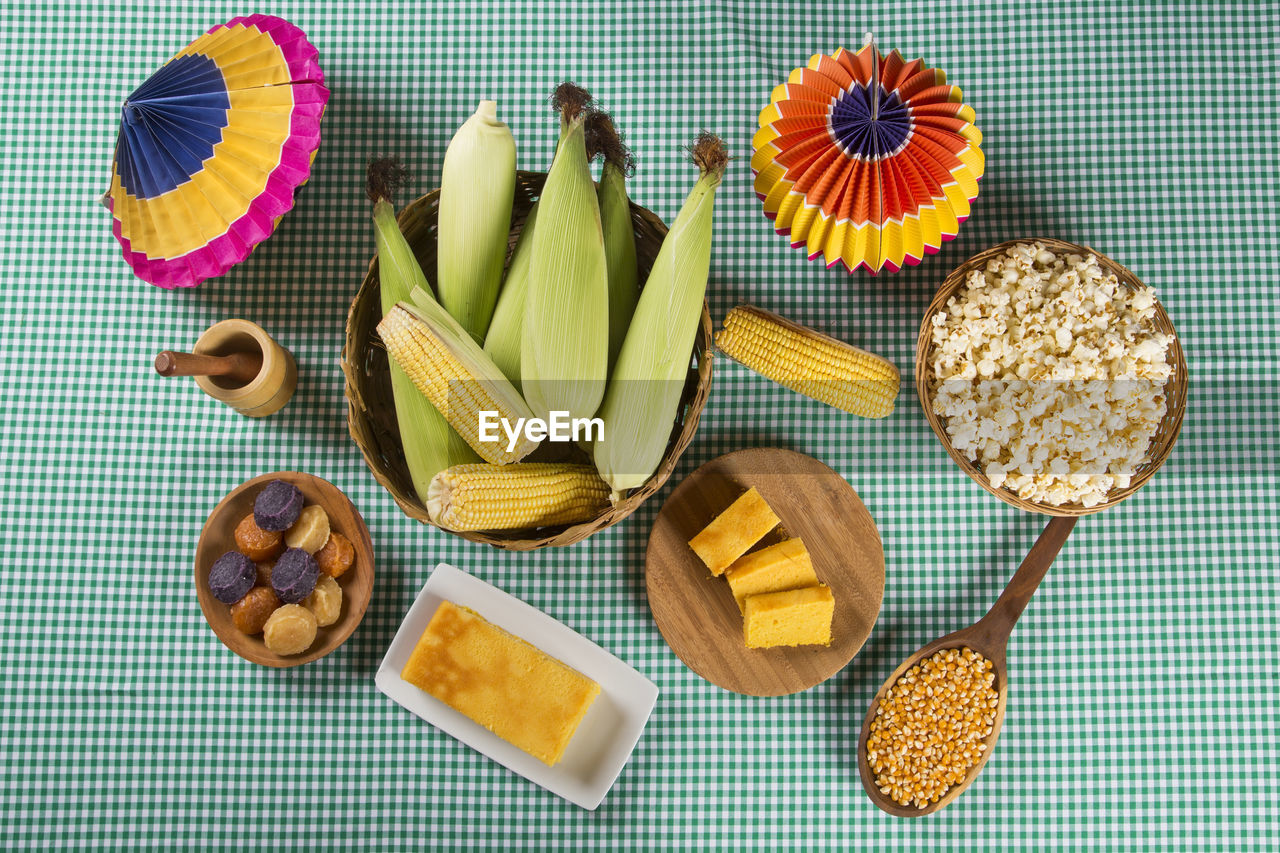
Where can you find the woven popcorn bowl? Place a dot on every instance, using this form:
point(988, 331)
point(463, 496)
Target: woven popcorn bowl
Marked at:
point(1175, 389)
point(371, 416)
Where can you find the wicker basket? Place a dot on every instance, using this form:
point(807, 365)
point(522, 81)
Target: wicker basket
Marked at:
point(1175, 388)
point(371, 414)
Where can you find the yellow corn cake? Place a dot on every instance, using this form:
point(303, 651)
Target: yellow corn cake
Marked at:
point(524, 696)
point(734, 531)
point(773, 569)
point(794, 617)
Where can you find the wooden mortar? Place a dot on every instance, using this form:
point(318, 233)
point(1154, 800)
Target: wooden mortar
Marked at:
point(267, 392)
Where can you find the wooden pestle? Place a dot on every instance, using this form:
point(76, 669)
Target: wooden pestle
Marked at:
point(240, 368)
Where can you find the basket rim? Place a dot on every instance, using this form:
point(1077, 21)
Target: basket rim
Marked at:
point(558, 535)
point(1175, 388)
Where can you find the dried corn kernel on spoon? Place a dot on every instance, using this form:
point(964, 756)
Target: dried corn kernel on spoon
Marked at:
point(960, 698)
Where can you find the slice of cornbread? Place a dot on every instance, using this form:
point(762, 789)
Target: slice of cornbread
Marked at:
point(733, 531)
point(773, 569)
point(522, 695)
point(795, 617)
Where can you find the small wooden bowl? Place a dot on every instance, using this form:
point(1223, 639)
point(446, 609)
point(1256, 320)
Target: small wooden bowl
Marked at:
point(1175, 389)
point(371, 416)
point(218, 537)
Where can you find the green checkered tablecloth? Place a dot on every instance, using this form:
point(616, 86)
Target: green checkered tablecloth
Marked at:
point(1143, 712)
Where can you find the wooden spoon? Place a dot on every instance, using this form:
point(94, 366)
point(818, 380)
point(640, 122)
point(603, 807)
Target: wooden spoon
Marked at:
point(240, 367)
point(989, 636)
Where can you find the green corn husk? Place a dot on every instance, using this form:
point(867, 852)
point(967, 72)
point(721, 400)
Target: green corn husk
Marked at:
point(503, 340)
point(645, 387)
point(430, 444)
point(565, 345)
point(619, 232)
point(476, 191)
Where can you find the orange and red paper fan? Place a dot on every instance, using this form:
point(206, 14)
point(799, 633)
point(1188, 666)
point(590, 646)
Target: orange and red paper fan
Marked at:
point(867, 160)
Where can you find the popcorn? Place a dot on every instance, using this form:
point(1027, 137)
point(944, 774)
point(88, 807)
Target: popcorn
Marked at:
point(1050, 374)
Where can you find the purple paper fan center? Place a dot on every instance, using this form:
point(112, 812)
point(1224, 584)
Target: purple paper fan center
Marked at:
point(870, 134)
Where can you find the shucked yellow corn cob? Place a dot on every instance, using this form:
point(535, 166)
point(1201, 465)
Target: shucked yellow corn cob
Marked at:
point(451, 370)
point(810, 363)
point(513, 497)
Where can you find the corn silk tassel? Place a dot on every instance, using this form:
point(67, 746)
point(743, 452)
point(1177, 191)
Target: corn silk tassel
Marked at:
point(615, 220)
point(476, 191)
point(430, 444)
point(647, 383)
point(565, 342)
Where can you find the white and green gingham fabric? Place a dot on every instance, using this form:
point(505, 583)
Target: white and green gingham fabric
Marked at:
point(1144, 706)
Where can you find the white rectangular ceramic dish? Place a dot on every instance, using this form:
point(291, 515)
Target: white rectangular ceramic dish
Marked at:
point(607, 734)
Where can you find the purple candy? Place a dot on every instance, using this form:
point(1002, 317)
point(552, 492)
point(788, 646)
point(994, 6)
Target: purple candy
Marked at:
point(277, 506)
point(232, 575)
point(294, 575)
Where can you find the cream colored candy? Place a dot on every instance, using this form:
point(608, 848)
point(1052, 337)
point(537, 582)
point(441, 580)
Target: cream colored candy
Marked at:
point(311, 530)
point(325, 601)
point(290, 630)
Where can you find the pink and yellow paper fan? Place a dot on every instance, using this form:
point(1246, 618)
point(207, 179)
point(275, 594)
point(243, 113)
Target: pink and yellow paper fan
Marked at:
point(867, 160)
point(212, 147)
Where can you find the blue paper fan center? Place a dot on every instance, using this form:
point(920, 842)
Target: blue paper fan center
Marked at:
point(860, 135)
point(170, 125)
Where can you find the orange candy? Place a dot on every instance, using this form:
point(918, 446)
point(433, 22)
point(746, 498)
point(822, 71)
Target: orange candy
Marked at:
point(258, 544)
point(336, 556)
point(250, 613)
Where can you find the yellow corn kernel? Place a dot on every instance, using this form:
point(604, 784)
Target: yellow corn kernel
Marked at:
point(810, 363)
point(515, 497)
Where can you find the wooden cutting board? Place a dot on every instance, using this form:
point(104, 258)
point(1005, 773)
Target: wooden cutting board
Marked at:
point(696, 612)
